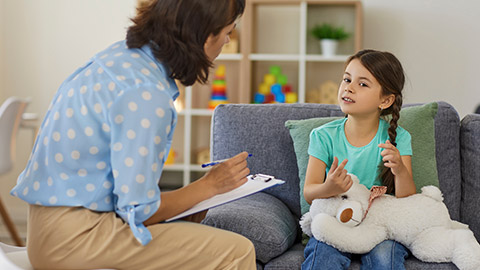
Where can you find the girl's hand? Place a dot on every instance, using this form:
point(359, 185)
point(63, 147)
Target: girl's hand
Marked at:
point(391, 157)
point(338, 181)
point(227, 175)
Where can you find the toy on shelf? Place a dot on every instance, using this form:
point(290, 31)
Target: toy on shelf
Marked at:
point(171, 157)
point(219, 88)
point(202, 155)
point(275, 88)
point(326, 93)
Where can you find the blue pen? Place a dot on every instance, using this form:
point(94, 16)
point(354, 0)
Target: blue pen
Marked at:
point(217, 161)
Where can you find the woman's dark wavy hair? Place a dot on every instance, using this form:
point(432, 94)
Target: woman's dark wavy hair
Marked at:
point(180, 28)
point(388, 71)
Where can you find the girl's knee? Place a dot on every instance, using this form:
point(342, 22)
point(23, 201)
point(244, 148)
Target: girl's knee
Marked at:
point(386, 255)
point(319, 255)
point(383, 248)
point(390, 248)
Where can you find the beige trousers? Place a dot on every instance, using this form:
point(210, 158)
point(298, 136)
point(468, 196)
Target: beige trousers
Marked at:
point(77, 238)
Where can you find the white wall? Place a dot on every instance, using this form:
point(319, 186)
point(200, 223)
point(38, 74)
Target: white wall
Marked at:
point(437, 41)
point(41, 43)
point(2, 37)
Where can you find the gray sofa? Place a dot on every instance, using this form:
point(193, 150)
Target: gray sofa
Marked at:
point(270, 218)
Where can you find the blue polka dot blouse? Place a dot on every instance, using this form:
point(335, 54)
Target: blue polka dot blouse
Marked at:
point(105, 138)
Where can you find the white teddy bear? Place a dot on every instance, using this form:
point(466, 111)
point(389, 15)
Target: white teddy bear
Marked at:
point(421, 222)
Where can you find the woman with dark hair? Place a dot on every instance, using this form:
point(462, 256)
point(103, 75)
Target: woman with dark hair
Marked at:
point(92, 179)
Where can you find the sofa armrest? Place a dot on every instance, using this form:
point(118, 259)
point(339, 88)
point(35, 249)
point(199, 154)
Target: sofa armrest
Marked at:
point(261, 218)
point(470, 160)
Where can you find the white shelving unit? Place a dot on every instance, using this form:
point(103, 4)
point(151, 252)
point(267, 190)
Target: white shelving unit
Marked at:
point(292, 46)
point(272, 32)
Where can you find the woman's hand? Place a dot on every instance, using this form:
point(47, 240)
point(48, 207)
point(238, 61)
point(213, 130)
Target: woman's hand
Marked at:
point(227, 175)
point(338, 181)
point(391, 158)
point(223, 177)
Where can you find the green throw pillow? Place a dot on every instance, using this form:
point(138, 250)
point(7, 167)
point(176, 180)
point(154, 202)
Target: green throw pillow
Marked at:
point(418, 120)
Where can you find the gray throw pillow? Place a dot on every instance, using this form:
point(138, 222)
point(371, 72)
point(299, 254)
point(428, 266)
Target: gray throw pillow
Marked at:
point(261, 218)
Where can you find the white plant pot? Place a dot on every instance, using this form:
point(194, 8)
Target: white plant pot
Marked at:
point(329, 47)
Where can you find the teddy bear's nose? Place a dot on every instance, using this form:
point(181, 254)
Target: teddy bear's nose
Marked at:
point(346, 215)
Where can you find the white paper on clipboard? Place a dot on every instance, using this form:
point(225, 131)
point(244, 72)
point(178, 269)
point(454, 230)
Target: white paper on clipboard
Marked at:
point(254, 184)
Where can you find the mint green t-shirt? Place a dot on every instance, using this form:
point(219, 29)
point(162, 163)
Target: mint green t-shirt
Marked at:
point(329, 141)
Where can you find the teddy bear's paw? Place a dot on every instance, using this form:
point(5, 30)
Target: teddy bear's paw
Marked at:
point(359, 239)
point(459, 225)
point(466, 253)
point(428, 246)
point(432, 192)
point(323, 225)
point(455, 245)
point(306, 223)
point(467, 263)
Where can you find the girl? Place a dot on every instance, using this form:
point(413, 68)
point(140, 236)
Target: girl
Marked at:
point(376, 151)
point(92, 180)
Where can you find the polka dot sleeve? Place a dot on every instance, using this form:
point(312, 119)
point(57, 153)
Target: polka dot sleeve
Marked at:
point(142, 122)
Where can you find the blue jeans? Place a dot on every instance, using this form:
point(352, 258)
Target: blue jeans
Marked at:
point(386, 255)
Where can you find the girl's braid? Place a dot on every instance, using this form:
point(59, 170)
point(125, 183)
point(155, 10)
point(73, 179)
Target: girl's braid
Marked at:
point(388, 179)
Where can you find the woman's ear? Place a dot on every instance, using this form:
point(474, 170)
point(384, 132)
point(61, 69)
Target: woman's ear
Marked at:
point(387, 102)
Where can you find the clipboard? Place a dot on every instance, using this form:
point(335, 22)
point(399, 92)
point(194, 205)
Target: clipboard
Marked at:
point(255, 183)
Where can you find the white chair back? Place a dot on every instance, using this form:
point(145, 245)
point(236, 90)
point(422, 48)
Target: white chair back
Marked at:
point(10, 117)
point(14, 258)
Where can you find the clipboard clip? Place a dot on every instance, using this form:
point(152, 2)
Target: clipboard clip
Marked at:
point(262, 177)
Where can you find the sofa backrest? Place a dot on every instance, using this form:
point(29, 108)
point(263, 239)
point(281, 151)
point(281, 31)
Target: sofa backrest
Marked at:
point(260, 130)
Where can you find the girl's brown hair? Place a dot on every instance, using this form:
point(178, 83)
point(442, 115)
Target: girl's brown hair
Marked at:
point(388, 71)
point(179, 29)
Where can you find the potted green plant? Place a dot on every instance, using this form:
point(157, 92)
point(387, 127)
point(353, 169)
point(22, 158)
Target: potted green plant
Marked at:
point(329, 37)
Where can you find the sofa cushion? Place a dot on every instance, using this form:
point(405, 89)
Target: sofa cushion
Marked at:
point(470, 154)
point(291, 259)
point(418, 120)
point(260, 217)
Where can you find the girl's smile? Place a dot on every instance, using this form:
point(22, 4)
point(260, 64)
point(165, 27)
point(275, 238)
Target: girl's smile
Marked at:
point(346, 99)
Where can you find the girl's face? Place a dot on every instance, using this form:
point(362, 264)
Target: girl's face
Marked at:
point(214, 44)
point(360, 93)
